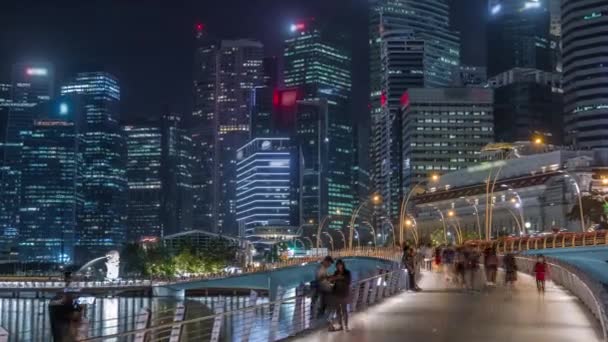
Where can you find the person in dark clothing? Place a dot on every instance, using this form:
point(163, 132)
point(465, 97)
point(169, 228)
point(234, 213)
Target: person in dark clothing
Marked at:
point(410, 265)
point(341, 294)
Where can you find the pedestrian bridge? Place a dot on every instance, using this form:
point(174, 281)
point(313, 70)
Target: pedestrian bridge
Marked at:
point(442, 313)
point(572, 309)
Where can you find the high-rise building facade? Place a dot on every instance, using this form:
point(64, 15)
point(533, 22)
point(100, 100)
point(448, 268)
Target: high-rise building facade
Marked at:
point(311, 138)
point(176, 174)
point(470, 76)
point(444, 130)
point(144, 165)
point(32, 84)
point(317, 62)
point(267, 185)
point(226, 73)
point(518, 34)
point(102, 218)
point(50, 178)
point(411, 45)
point(527, 103)
point(159, 165)
point(585, 47)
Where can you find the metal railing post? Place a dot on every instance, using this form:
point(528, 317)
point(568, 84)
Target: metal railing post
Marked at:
point(276, 310)
point(217, 322)
point(387, 287)
point(249, 315)
point(141, 322)
point(3, 335)
point(365, 292)
point(299, 312)
point(178, 317)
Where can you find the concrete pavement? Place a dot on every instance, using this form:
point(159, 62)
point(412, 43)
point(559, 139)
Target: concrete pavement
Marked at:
point(444, 313)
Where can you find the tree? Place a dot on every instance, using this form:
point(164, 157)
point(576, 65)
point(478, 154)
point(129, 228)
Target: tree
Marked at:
point(593, 209)
point(438, 237)
point(133, 259)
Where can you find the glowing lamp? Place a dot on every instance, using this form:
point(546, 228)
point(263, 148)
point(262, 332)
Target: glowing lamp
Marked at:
point(297, 27)
point(63, 108)
point(36, 71)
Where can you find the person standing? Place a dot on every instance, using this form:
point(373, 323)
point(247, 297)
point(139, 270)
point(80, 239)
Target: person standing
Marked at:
point(540, 271)
point(322, 285)
point(428, 258)
point(410, 265)
point(510, 270)
point(341, 295)
point(491, 265)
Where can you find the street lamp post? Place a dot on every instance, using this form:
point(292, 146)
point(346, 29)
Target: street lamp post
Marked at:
point(580, 197)
point(309, 240)
point(343, 238)
point(353, 218)
point(373, 232)
point(445, 228)
point(331, 240)
point(404, 203)
point(472, 203)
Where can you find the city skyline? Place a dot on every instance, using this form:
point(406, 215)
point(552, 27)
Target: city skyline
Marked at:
point(63, 34)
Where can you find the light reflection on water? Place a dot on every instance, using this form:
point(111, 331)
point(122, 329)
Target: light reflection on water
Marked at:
point(27, 319)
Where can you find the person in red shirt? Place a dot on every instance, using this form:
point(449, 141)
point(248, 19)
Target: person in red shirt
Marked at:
point(541, 269)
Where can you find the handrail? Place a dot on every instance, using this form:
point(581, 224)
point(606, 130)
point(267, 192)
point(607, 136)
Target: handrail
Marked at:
point(551, 241)
point(375, 290)
point(577, 282)
point(388, 253)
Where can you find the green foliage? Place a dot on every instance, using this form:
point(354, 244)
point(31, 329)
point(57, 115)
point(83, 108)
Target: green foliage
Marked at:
point(470, 235)
point(438, 237)
point(158, 261)
point(593, 209)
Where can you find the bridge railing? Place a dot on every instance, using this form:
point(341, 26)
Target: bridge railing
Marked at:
point(591, 292)
point(269, 321)
point(78, 284)
point(559, 240)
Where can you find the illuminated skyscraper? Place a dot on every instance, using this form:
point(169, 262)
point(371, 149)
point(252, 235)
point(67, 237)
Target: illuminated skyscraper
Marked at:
point(518, 35)
point(176, 174)
point(226, 73)
point(144, 167)
point(267, 185)
point(50, 178)
point(585, 47)
point(31, 85)
point(102, 219)
point(159, 167)
point(318, 63)
point(411, 46)
point(444, 130)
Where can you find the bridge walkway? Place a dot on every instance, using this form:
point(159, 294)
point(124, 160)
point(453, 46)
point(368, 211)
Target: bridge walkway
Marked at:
point(443, 313)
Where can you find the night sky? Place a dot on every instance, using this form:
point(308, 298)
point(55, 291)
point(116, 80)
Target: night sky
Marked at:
point(149, 44)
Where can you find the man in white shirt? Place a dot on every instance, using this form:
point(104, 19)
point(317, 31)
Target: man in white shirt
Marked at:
point(323, 286)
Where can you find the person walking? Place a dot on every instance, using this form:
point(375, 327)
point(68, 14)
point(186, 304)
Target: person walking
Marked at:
point(410, 265)
point(340, 295)
point(510, 270)
point(541, 269)
point(491, 266)
point(472, 266)
point(460, 260)
point(322, 285)
point(428, 257)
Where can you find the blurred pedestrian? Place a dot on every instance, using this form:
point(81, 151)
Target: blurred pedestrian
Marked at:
point(322, 286)
point(410, 265)
point(428, 257)
point(541, 269)
point(510, 267)
point(460, 261)
point(340, 295)
point(491, 265)
point(472, 268)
